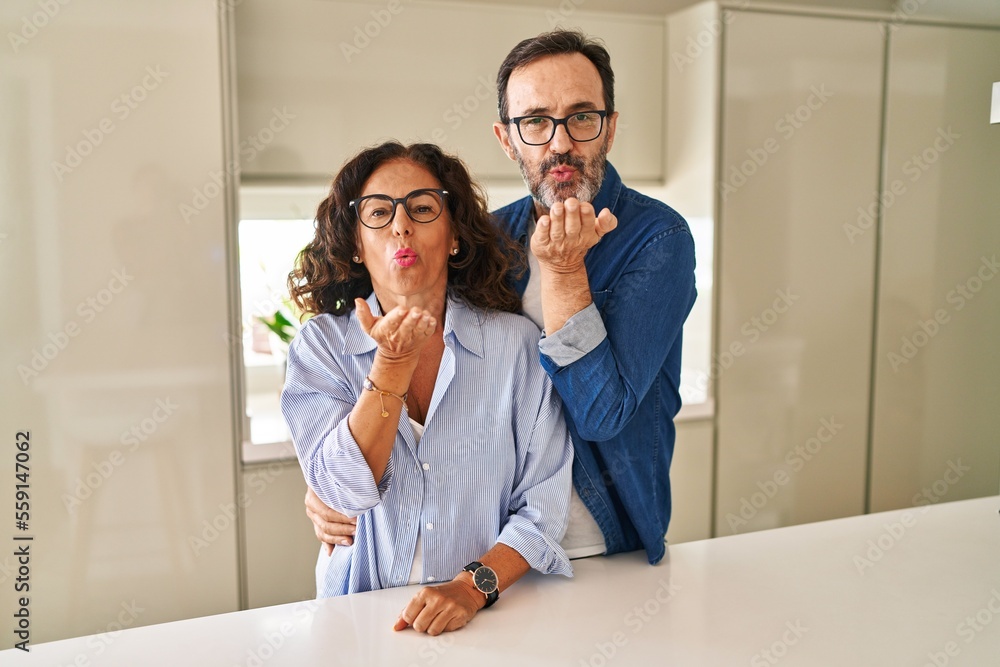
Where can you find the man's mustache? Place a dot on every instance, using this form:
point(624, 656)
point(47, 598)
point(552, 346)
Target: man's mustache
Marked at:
point(564, 159)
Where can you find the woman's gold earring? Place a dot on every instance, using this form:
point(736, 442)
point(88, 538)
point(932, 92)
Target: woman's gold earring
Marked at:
point(356, 259)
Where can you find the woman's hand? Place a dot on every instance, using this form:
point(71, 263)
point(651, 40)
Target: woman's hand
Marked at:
point(400, 333)
point(437, 609)
point(332, 528)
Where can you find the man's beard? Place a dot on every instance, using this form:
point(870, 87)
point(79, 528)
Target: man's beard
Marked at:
point(586, 185)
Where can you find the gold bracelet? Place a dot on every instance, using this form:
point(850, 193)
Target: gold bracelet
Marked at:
point(368, 385)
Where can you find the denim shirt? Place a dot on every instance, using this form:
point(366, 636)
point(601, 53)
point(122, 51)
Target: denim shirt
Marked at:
point(617, 363)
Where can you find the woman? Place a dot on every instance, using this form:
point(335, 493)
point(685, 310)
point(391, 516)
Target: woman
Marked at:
point(414, 396)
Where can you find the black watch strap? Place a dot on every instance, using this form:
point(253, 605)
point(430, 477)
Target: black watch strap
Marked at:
point(491, 597)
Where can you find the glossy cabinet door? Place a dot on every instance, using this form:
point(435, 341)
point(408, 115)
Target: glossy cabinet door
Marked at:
point(799, 156)
point(691, 482)
point(113, 288)
point(936, 427)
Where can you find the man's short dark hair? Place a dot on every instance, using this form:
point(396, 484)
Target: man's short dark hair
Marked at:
point(553, 43)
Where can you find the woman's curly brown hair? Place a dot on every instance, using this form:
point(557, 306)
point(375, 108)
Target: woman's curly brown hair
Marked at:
point(325, 280)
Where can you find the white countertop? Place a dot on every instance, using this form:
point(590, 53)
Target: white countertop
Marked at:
point(897, 588)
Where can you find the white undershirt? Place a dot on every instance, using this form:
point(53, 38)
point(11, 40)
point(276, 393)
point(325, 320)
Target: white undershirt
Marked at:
point(583, 536)
point(418, 554)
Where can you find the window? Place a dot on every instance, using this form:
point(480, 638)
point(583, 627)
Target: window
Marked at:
point(697, 353)
point(276, 224)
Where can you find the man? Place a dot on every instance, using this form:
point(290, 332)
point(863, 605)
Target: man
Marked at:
point(610, 291)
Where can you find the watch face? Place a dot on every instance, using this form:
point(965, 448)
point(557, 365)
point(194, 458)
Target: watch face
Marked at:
point(485, 579)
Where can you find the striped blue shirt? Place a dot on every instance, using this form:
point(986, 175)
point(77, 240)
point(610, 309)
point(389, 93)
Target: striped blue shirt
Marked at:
point(493, 465)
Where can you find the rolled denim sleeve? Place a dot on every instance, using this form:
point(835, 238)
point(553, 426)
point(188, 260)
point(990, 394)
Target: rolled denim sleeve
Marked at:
point(316, 403)
point(643, 317)
point(581, 333)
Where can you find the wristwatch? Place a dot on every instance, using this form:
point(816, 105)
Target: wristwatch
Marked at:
point(485, 579)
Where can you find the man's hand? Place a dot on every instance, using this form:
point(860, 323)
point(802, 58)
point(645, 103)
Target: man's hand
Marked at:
point(332, 528)
point(563, 237)
point(437, 609)
point(560, 243)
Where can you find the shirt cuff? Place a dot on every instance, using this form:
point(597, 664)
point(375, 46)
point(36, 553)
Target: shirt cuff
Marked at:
point(540, 551)
point(347, 483)
point(582, 333)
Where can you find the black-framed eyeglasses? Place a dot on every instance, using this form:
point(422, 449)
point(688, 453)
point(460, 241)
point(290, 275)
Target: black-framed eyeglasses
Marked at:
point(377, 211)
point(539, 130)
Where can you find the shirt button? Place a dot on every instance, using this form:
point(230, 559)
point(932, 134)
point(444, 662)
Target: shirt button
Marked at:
point(427, 466)
point(430, 526)
point(430, 578)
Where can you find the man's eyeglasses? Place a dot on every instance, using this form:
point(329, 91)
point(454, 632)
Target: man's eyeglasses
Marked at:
point(539, 130)
point(377, 211)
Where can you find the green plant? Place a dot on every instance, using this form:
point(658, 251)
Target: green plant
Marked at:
point(281, 326)
point(285, 322)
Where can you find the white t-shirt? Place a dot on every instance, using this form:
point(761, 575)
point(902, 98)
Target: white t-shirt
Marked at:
point(418, 554)
point(583, 536)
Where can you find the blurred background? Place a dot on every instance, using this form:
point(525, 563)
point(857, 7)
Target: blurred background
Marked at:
point(160, 167)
